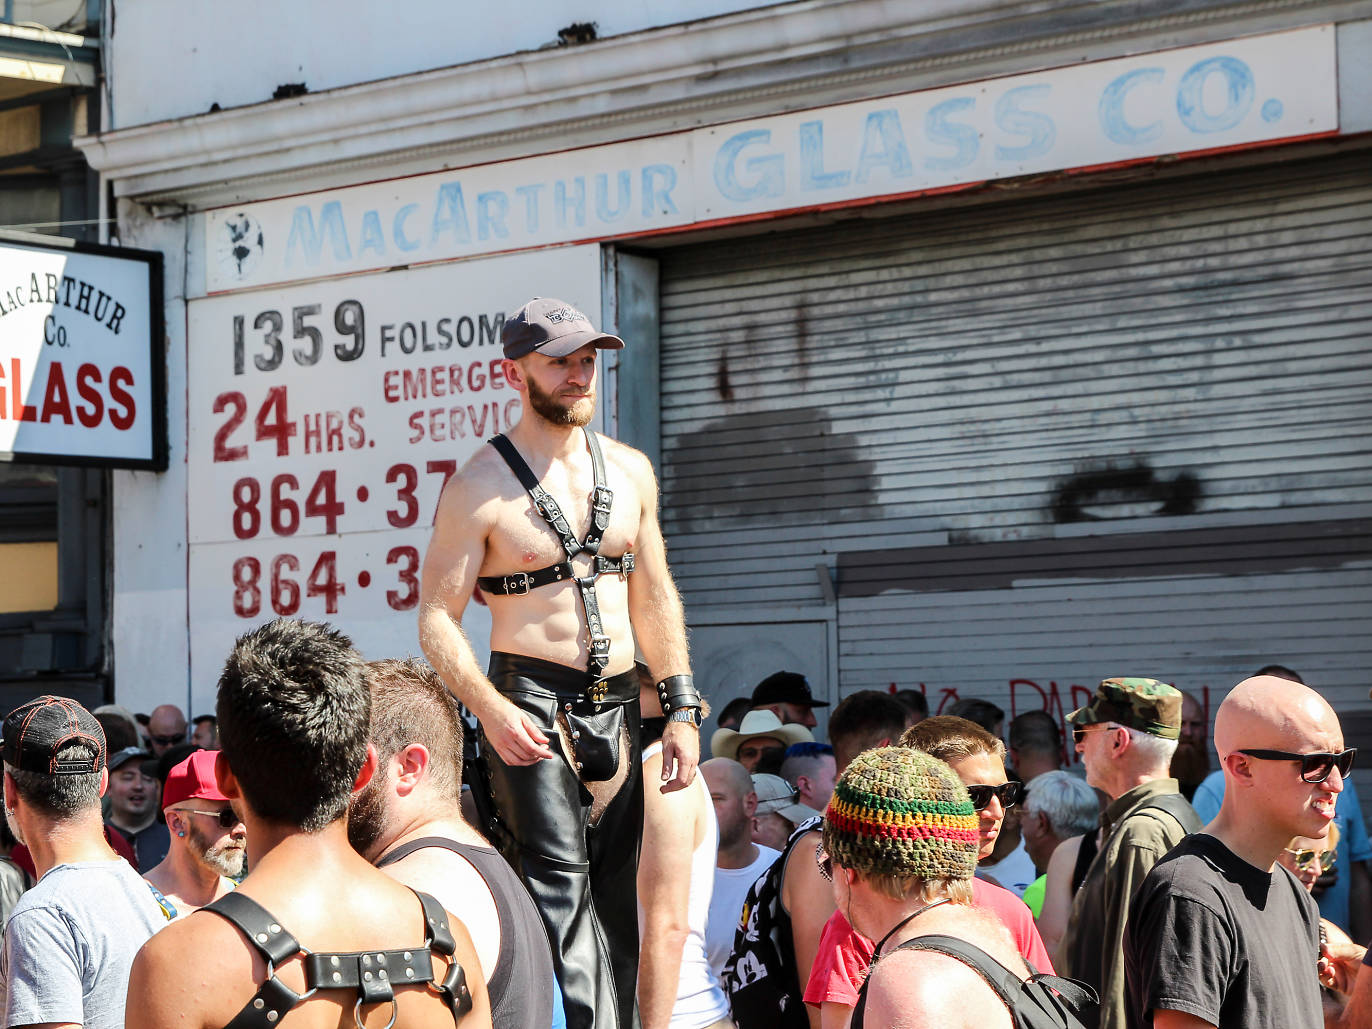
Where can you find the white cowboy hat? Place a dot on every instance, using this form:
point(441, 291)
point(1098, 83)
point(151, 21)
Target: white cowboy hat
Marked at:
point(725, 742)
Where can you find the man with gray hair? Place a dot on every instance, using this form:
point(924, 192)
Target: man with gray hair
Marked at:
point(1057, 807)
point(1126, 736)
point(71, 940)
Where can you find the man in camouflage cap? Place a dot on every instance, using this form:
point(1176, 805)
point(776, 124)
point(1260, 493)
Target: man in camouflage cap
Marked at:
point(1126, 736)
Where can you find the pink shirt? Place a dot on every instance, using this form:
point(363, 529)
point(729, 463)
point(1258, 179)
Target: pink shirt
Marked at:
point(844, 954)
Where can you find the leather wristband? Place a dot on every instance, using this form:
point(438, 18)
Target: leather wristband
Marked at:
point(677, 691)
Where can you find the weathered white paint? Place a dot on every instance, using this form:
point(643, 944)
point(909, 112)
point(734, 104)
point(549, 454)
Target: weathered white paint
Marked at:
point(148, 643)
point(1193, 98)
point(383, 461)
point(329, 43)
point(933, 380)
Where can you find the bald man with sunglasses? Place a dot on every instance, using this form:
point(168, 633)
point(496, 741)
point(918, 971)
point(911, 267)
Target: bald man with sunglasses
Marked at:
point(1220, 933)
point(1126, 736)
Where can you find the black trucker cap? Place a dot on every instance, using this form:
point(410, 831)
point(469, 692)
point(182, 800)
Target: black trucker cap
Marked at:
point(785, 688)
point(35, 732)
point(552, 328)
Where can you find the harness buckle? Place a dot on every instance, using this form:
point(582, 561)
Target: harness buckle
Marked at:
point(600, 646)
point(517, 585)
point(626, 563)
point(601, 500)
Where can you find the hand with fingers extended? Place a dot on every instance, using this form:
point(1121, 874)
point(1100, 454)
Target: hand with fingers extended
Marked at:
point(680, 755)
point(514, 734)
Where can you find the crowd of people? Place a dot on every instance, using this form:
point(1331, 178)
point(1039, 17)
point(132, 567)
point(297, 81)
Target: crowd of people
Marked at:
point(767, 891)
point(406, 844)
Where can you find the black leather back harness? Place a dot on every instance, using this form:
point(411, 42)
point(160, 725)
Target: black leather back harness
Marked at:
point(520, 583)
point(372, 974)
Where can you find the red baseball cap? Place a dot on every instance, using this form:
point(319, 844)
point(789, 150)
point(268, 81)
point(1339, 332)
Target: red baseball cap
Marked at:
point(192, 779)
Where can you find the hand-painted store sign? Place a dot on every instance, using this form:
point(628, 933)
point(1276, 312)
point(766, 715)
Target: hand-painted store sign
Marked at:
point(81, 373)
point(1200, 98)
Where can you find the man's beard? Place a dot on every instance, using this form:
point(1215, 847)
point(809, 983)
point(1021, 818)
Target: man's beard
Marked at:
point(731, 834)
point(225, 857)
point(367, 815)
point(576, 414)
point(1190, 763)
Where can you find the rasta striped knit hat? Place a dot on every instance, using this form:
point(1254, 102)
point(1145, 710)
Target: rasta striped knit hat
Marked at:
point(899, 812)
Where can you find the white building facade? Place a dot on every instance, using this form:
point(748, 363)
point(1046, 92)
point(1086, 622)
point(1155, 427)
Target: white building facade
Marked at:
point(987, 348)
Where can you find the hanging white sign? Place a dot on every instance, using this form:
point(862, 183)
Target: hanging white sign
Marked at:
point(81, 365)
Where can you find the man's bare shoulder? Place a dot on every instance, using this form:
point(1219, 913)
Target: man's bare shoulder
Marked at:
point(632, 462)
point(447, 876)
point(223, 962)
point(206, 932)
point(916, 989)
point(478, 486)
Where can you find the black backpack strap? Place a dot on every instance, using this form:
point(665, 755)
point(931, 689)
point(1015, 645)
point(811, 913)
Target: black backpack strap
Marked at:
point(1007, 985)
point(997, 976)
point(273, 998)
point(454, 989)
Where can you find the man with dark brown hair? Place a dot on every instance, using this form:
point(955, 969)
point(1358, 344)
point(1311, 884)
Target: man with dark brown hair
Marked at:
point(1191, 763)
point(314, 937)
point(70, 939)
point(408, 821)
point(558, 527)
point(861, 721)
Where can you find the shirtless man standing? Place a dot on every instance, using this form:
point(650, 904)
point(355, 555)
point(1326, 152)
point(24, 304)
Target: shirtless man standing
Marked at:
point(558, 528)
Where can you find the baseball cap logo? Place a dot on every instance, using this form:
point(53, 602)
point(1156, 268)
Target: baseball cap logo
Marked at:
point(553, 328)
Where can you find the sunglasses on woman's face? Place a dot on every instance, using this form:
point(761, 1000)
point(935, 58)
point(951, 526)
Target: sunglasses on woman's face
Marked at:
point(1314, 767)
point(1010, 794)
point(1308, 858)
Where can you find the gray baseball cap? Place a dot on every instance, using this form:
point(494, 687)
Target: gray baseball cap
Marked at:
point(775, 794)
point(552, 328)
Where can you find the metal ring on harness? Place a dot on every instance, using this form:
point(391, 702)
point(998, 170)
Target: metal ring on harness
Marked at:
point(357, 1013)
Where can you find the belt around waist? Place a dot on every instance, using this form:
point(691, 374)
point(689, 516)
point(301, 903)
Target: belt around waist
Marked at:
point(511, 673)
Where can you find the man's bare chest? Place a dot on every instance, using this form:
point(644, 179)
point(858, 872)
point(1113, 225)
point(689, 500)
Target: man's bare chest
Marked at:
point(524, 540)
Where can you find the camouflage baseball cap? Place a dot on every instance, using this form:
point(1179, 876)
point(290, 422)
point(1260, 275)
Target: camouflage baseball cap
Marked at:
point(1144, 704)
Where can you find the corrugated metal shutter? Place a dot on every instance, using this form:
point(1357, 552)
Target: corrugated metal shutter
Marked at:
point(1121, 431)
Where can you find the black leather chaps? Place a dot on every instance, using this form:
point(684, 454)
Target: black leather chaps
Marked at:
point(582, 876)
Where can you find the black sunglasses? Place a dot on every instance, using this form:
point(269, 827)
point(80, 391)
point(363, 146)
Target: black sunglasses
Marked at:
point(168, 741)
point(1010, 794)
point(1314, 767)
point(226, 817)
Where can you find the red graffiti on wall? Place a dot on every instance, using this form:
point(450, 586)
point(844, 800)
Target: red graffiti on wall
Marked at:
point(1059, 701)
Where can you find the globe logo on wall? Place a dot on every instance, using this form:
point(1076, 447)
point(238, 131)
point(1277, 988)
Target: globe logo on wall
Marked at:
point(240, 245)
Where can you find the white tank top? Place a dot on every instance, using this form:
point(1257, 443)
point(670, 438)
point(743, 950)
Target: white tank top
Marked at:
point(699, 1000)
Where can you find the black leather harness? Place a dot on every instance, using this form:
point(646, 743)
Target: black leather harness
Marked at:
point(372, 974)
point(520, 583)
